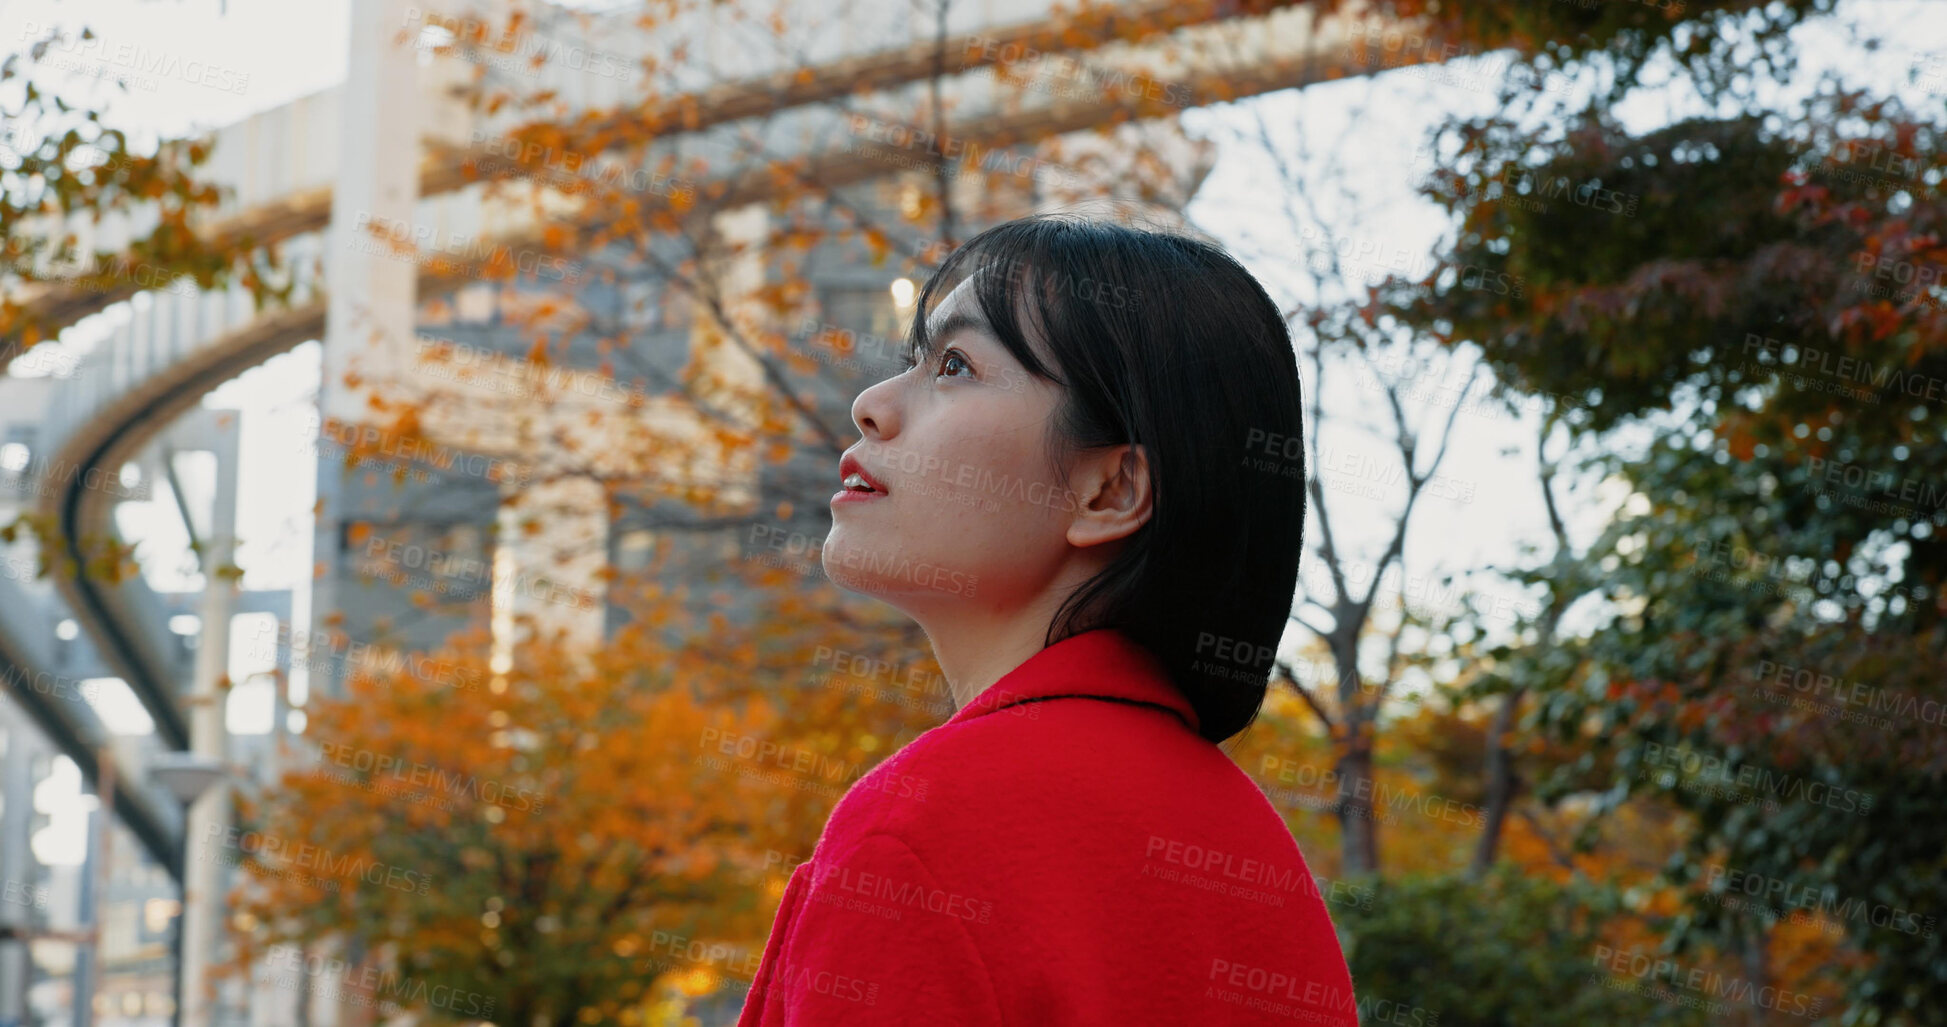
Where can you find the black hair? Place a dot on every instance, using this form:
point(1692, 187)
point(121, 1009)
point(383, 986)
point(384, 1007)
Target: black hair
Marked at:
point(1167, 342)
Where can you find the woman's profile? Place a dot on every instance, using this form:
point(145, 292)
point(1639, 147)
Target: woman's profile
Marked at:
point(1081, 488)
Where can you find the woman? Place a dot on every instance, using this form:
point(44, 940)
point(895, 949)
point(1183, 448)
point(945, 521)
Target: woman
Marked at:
point(1086, 487)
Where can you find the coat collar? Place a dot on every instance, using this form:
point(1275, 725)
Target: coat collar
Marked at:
point(1101, 663)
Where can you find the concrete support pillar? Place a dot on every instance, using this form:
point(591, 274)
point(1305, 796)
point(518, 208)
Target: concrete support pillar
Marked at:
point(373, 290)
point(204, 883)
point(17, 871)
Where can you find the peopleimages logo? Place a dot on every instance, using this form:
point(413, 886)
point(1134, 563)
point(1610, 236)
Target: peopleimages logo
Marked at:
point(578, 171)
point(463, 576)
point(1380, 796)
point(799, 978)
point(1298, 996)
point(1916, 493)
point(446, 251)
point(903, 568)
point(865, 669)
point(139, 59)
point(955, 153)
point(318, 650)
point(901, 894)
point(808, 762)
point(515, 51)
point(1783, 898)
point(279, 854)
point(23, 893)
point(426, 775)
point(795, 550)
point(1199, 866)
point(370, 441)
point(1063, 66)
point(41, 477)
point(971, 478)
point(367, 980)
point(1703, 770)
point(1867, 697)
point(1696, 986)
point(1589, 193)
point(41, 682)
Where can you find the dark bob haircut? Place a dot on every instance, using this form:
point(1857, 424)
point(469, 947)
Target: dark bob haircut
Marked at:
point(1169, 343)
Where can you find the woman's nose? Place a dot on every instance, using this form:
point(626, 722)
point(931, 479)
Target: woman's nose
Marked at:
point(874, 411)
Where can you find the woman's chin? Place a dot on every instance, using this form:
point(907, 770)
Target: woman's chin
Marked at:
point(874, 571)
point(849, 565)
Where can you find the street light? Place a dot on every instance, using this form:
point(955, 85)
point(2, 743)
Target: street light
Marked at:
point(187, 775)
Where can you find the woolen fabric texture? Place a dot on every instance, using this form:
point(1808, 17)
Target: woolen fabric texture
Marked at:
point(1065, 849)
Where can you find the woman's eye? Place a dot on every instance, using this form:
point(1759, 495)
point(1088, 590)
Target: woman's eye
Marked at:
point(947, 359)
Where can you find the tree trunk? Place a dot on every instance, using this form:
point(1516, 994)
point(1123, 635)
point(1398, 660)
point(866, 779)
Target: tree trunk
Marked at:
point(1358, 834)
point(1501, 783)
point(1756, 973)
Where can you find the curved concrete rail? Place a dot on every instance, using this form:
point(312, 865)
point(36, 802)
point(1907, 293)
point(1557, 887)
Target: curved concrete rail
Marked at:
point(299, 200)
point(57, 704)
point(116, 405)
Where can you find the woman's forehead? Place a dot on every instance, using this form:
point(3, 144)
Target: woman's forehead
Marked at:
point(960, 300)
point(961, 307)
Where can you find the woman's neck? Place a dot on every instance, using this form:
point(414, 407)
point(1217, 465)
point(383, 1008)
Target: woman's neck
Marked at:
point(975, 653)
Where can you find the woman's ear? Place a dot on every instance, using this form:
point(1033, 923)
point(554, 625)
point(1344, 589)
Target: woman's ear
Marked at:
point(1113, 494)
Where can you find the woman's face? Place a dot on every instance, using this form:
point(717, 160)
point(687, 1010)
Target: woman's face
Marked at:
point(970, 513)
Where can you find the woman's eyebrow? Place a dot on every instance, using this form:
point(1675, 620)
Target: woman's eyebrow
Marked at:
point(951, 323)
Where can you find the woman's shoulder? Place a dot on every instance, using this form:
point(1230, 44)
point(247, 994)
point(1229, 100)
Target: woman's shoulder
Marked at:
point(1107, 827)
point(1022, 748)
point(1053, 770)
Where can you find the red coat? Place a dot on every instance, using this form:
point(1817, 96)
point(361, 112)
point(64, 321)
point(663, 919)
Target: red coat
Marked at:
point(1064, 849)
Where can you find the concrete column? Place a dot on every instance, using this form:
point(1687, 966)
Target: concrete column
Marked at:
point(369, 321)
point(373, 291)
point(204, 883)
point(97, 873)
point(17, 871)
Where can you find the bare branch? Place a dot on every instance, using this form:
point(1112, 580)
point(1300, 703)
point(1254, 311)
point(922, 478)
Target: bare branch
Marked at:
point(1309, 626)
point(1285, 674)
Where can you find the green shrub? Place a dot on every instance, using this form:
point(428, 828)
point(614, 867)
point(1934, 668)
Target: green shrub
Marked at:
point(1446, 951)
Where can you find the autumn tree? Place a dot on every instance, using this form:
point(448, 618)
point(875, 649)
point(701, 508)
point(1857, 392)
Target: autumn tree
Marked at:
point(547, 841)
point(1766, 319)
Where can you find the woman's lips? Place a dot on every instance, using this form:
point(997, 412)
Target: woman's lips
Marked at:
point(852, 475)
point(855, 496)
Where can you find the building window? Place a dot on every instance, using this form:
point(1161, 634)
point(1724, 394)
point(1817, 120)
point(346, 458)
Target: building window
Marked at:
point(14, 457)
point(476, 304)
point(868, 310)
point(640, 305)
point(415, 555)
point(633, 549)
